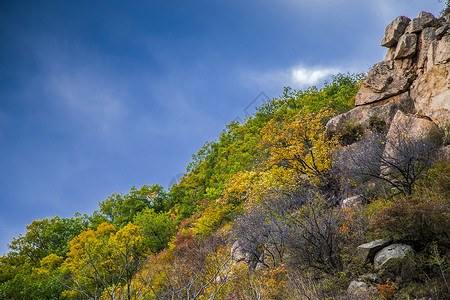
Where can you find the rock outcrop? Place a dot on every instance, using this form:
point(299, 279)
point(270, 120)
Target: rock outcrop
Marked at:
point(409, 127)
point(432, 94)
point(354, 201)
point(386, 79)
point(366, 252)
point(363, 114)
point(394, 31)
point(404, 102)
point(411, 86)
point(392, 256)
point(417, 64)
point(361, 290)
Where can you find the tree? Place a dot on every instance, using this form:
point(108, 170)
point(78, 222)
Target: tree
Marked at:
point(120, 209)
point(194, 269)
point(298, 228)
point(50, 235)
point(102, 262)
point(298, 143)
point(398, 160)
point(156, 228)
point(20, 275)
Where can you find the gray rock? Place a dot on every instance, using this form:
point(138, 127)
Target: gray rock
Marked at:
point(427, 20)
point(238, 253)
point(442, 53)
point(431, 94)
point(414, 26)
point(413, 127)
point(441, 31)
point(404, 64)
point(369, 277)
point(366, 252)
point(392, 256)
point(390, 53)
point(362, 114)
point(384, 110)
point(386, 79)
point(353, 201)
point(427, 36)
point(444, 152)
point(360, 290)
point(404, 103)
point(394, 31)
point(406, 46)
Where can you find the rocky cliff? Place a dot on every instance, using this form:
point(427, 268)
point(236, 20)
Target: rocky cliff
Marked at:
point(410, 89)
point(414, 78)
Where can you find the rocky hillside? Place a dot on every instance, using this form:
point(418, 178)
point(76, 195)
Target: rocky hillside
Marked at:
point(400, 120)
point(414, 78)
point(410, 90)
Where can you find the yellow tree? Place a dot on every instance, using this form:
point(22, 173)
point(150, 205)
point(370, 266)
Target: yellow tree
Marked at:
point(298, 143)
point(101, 263)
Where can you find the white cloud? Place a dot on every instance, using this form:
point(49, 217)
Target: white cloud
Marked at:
point(301, 76)
point(297, 77)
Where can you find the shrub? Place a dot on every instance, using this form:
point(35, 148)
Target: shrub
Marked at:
point(387, 290)
point(416, 221)
point(436, 183)
point(446, 138)
point(377, 124)
point(350, 133)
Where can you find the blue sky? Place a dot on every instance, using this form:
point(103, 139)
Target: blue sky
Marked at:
point(99, 96)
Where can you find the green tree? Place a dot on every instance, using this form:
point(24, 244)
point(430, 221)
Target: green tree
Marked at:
point(120, 209)
point(50, 235)
point(20, 277)
point(156, 228)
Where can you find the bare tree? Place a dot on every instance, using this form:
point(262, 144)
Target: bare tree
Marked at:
point(300, 229)
point(200, 269)
point(399, 159)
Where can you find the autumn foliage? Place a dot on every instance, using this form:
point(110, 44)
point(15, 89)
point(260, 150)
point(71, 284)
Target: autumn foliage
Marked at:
point(270, 182)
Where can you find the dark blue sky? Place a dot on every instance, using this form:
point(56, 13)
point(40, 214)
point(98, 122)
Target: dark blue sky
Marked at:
point(99, 96)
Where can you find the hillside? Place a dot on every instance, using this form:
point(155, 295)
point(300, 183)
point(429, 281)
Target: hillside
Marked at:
point(340, 192)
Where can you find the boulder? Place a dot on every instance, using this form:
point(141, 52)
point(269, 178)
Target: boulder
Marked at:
point(369, 277)
point(444, 152)
point(394, 31)
point(366, 252)
point(442, 53)
point(441, 31)
point(431, 94)
point(386, 79)
point(238, 254)
point(427, 20)
point(384, 110)
point(362, 114)
point(438, 52)
point(414, 26)
point(406, 46)
point(392, 256)
point(404, 127)
point(404, 64)
point(390, 54)
point(403, 102)
point(360, 290)
point(353, 201)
